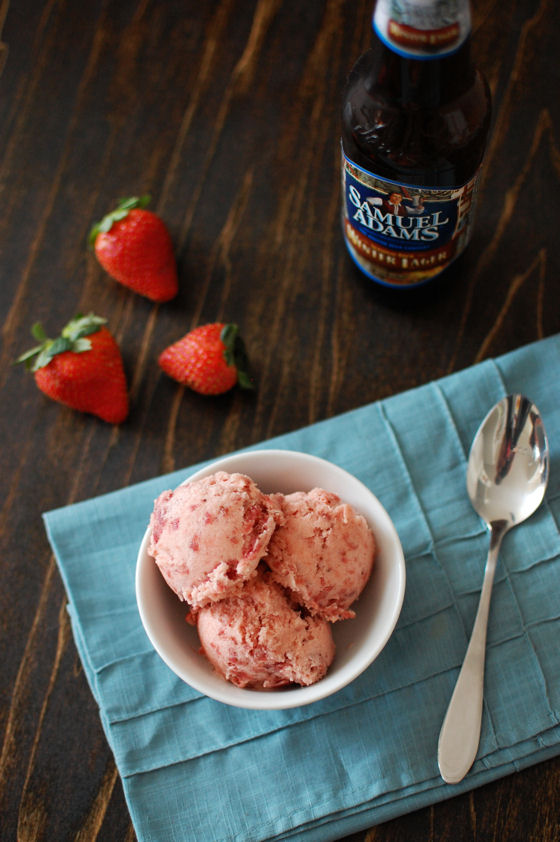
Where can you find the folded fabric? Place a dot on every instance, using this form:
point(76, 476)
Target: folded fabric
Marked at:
point(195, 769)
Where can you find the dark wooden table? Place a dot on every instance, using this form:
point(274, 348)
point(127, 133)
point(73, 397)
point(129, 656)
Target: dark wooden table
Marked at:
point(228, 114)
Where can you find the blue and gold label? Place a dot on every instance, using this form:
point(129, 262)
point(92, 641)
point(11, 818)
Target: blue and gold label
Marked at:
point(403, 235)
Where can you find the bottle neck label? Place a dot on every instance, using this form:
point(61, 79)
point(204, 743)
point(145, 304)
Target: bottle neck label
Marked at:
point(422, 29)
point(402, 235)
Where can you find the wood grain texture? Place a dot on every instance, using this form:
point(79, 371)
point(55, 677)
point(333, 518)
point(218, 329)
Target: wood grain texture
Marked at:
point(228, 114)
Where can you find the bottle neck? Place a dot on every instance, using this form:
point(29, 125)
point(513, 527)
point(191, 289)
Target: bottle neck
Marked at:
point(417, 82)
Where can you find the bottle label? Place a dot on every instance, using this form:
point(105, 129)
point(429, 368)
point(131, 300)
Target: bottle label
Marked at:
point(422, 29)
point(402, 235)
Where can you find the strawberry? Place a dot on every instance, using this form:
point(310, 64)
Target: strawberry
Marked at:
point(82, 368)
point(135, 248)
point(210, 359)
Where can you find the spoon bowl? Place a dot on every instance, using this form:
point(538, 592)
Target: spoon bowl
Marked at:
point(507, 475)
point(507, 470)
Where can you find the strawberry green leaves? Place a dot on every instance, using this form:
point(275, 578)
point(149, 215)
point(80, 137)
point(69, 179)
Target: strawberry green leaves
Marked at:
point(124, 206)
point(72, 338)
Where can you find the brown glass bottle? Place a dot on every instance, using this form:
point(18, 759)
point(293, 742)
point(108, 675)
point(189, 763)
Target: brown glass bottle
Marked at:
point(412, 119)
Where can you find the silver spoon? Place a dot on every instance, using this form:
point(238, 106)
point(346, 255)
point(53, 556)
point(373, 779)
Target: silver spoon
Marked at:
point(507, 475)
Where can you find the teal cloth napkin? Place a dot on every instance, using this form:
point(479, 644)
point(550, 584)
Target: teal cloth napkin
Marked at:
point(195, 769)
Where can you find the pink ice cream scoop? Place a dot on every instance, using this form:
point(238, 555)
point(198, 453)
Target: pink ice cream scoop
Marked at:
point(208, 536)
point(323, 552)
point(259, 639)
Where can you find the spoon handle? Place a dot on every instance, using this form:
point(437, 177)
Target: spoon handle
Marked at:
point(460, 733)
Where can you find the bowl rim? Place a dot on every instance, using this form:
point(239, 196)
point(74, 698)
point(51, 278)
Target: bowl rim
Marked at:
point(291, 696)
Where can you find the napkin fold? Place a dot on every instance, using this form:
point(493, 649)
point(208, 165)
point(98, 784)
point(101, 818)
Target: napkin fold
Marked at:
point(196, 769)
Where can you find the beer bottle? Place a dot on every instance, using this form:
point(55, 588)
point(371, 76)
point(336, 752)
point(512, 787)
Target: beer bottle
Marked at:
point(415, 121)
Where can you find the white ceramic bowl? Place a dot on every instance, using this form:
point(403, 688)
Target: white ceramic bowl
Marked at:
point(358, 641)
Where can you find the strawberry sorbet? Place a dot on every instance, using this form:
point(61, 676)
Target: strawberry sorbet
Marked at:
point(260, 639)
point(264, 575)
point(208, 536)
point(323, 552)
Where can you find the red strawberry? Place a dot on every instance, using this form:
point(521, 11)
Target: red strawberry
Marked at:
point(82, 368)
point(134, 247)
point(210, 359)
